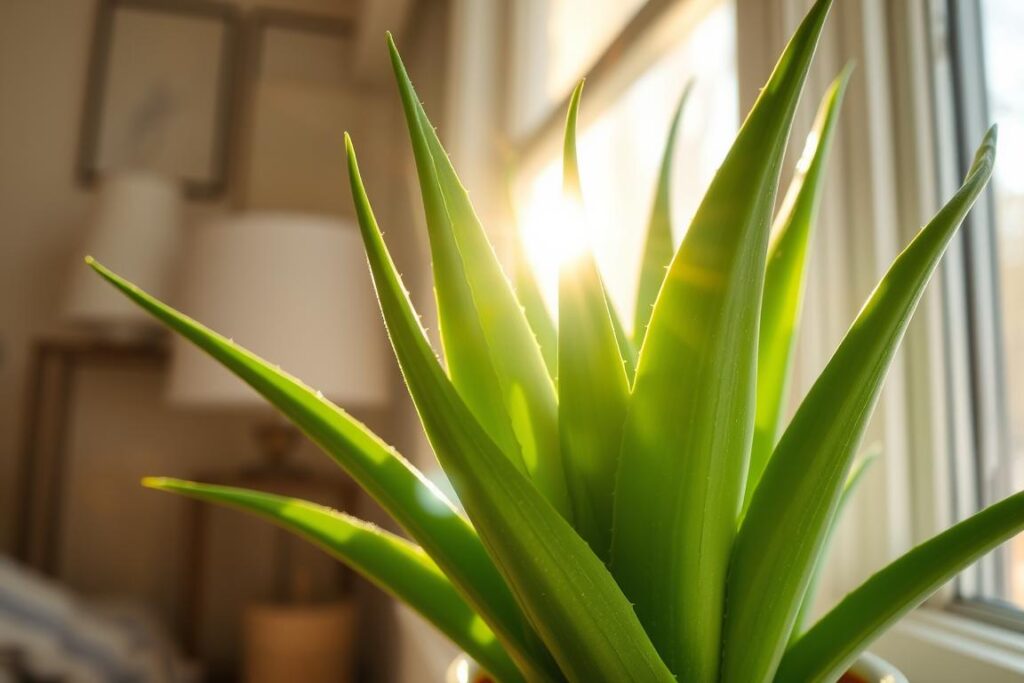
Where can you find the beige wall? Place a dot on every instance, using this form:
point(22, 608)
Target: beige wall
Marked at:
point(120, 538)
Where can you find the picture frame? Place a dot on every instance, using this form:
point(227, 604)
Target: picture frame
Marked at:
point(152, 101)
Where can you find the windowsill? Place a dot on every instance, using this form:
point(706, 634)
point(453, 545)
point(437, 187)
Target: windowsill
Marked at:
point(938, 646)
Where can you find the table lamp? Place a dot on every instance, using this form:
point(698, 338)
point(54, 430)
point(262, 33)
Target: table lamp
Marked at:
point(135, 230)
point(293, 288)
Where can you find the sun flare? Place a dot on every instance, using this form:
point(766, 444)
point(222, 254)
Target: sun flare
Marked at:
point(553, 230)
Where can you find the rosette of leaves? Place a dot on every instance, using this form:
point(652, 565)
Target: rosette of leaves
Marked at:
point(634, 508)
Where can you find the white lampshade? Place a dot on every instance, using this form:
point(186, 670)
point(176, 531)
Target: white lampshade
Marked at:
point(134, 230)
point(294, 289)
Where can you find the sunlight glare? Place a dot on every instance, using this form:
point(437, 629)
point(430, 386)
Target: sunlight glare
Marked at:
point(553, 231)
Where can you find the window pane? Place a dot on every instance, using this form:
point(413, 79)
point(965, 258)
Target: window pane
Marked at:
point(620, 152)
point(556, 42)
point(1002, 29)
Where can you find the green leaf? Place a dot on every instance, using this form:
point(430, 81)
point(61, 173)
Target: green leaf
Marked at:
point(783, 532)
point(527, 390)
point(592, 384)
point(690, 422)
point(392, 563)
point(407, 495)
point(824, 652)
point(470, 361)
point(627, 348)
point(849, 488)
point(658, 248)
point(568, 594)
point(784, 281)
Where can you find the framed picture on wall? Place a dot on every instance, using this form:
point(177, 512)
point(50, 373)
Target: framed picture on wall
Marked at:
point(160, 92)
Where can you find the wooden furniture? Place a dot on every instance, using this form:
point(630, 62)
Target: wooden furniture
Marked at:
point(274, 475)
point(53, 367)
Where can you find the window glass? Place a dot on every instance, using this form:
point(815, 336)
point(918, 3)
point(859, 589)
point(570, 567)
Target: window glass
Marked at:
point(557, 41)
point(1003, 48)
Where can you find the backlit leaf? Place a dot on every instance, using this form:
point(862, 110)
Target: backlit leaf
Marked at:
point(849, 488)
point(825, 651)
point(407, 495)
point(784, 281)
point(592, 383)
point(690, 422)
point(392, 563)
point(658, 247)
point(568, 594)
point(784, 529)
point(527, 390)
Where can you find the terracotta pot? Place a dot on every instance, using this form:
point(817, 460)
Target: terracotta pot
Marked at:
point(867, 669)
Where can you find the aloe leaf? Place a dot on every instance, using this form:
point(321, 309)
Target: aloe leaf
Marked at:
point(849, 488)
point(627, 347)
point(832, 644)
point(408, 496)
point(784, 281)
point(690, 421)
point(568, 594)
point(467, 350)
point(782, 534)
point(592, 384)
point(391, 562)
point(536, 312)
point(658, 247)
point(528, 392)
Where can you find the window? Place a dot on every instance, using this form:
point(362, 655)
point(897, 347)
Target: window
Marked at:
point(620, 147)
point(988, 86)
point(1002, 29)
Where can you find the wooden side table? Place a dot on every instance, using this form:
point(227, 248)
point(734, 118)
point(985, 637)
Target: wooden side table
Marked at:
point(53, 368)
point(272, 476)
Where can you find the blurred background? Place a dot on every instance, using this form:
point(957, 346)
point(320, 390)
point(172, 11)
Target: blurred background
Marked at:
point(195, 146)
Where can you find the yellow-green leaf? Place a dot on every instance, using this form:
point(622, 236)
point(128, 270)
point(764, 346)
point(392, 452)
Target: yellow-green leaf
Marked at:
point(526, 388)
point(392, 563)
point(592, 383)
point(849, 488)
point(690, 421)
point(788, 518)
point(568, 594)
point(658, 247)
point(824, 652)
point(784, 281)
point(402, 490)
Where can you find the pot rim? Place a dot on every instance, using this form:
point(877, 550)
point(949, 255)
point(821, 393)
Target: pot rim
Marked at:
point(870, 667)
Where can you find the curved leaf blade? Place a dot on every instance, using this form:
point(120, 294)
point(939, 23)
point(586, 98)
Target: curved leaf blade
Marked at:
point(784, 529)
point(392, 563)
point(592, 385)
point(402, 490)
point(825, 651)
point(690, 420)
point(467, 348)
point(849, 488)
point(784, 280)
point(569, 596)
point(658, 247)
point(527, 388)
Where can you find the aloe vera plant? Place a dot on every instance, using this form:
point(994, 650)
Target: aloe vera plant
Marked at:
point(644, 515)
